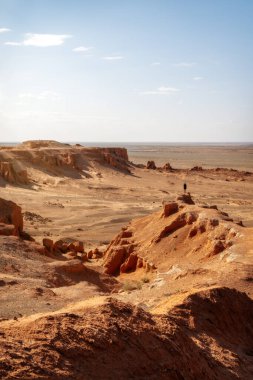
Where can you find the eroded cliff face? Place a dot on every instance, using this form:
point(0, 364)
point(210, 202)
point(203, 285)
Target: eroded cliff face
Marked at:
point(117, 152)
point(16, 164)
point(12, 174)
point(117, 158)
point(11, 219)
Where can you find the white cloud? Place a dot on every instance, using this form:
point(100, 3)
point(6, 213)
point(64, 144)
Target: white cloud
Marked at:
point(113, 58)
point(51, 95)
point(25, 95)
point(45, 40)
point(155, 64)
point(168, 89)
point(13, 43)
point(41, 40)
point(82, 49)
point(161, 91)
point(198, 78)
point(4, 30)
point(185, 64)
point(44, 95)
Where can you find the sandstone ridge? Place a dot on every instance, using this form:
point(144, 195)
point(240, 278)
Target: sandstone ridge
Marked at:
point(24, 163)
point(180, 240)
point(112, 337)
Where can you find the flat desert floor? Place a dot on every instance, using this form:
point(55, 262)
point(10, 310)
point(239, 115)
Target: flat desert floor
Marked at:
point(95, 208)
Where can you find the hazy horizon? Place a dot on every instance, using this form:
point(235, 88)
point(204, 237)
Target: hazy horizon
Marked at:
point(136, 71)
point(143, 143)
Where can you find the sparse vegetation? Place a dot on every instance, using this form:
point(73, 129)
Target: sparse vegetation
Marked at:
point(145, 279)
point(132, 285)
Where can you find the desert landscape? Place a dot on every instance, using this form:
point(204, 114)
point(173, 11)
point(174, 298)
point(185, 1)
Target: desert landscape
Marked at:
point(109, 270)
point(126, 190)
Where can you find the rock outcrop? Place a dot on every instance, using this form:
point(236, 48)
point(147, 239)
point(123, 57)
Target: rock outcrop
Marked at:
point(63, 246)
point(11, 218)
point(151, 165)
point(120, 256)
point(181, 220)
point(12, 174)
point(17, 164)
point(182, 230)
point(117, 158)
point(170, 208)
point(167, 167)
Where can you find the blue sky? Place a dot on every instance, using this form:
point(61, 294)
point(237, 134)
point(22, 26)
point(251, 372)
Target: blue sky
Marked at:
point(175, 70)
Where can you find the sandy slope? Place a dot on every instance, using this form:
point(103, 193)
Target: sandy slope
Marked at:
point(208, 336)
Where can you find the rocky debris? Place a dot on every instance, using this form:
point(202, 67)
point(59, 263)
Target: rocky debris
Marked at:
point(54, 204)
point(151, 165)
point(186, 198)
point(97, 253)
point(48, 244)
point(74, 255)
point(83, 256)
point(33, 217)
point(208, 336)
point(197, 168)
point(63, 246)
point(170, 208)
point(94, 254)
point(90, 254)
point(60, 246)
point(167, 167)
point(10, 214)
point(77, 246)
point(11, 173)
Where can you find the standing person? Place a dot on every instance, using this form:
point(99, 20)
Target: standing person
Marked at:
point(185, 187)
